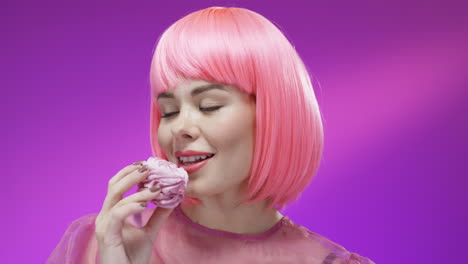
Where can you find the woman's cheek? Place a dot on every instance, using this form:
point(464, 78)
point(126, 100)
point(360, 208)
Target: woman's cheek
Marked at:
point(163, 139)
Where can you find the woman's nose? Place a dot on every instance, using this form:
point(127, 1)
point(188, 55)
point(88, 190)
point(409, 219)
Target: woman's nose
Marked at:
point(185, 125)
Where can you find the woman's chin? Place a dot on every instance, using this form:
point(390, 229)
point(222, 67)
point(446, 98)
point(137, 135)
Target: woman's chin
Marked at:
point(194, 190)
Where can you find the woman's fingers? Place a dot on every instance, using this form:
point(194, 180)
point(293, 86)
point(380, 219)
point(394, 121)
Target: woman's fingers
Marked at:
point(130, 175)
point(132, 179)
point(131, 205)
point(115, 209)
point(142, 196)
point(116, 238)
point(123, 172)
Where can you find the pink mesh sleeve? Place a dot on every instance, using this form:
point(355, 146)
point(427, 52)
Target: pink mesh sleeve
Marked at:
point(78, 244)
point(357, 259)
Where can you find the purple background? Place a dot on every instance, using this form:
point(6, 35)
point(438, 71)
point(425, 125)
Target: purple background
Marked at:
point(390, 78)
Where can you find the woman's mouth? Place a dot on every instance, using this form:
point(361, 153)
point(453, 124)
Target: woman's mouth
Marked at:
point(187, 161)
point(192, 164)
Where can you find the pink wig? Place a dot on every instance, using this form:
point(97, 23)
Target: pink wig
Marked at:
point(239, 47)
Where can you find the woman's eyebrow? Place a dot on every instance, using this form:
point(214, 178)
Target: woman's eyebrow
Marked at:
point(196, 91)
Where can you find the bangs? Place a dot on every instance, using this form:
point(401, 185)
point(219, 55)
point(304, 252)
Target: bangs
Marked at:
point(209, 45)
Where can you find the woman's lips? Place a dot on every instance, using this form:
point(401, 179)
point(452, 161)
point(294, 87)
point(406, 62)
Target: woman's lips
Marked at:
point(194, 167)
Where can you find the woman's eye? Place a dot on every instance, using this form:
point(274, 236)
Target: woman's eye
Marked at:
point(209, 109)
point(205, 109)
point(168, 114)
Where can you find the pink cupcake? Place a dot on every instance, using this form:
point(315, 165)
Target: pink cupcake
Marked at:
point(171, 179)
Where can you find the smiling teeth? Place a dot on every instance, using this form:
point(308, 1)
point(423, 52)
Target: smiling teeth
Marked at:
point(193, 158)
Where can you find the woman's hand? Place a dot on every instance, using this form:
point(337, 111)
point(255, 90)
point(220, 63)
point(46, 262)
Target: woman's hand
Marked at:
point(118, 240)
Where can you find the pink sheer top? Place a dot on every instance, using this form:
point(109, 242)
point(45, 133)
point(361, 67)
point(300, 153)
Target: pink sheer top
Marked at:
point(181, 240)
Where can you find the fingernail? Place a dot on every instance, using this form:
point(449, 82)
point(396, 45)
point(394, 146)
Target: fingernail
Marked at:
point(137, 163)
point(144, 204)
point(155, 188)
point(142, 169)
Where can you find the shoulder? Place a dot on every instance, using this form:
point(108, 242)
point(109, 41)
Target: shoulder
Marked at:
point(78, 244)
point(320, 246)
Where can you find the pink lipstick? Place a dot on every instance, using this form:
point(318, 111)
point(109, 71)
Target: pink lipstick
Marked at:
point(192, 167)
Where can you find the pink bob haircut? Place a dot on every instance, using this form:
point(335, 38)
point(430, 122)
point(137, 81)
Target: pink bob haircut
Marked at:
point(238, 47)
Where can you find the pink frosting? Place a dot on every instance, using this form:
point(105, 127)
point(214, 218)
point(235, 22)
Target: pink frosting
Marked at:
point(171, 179)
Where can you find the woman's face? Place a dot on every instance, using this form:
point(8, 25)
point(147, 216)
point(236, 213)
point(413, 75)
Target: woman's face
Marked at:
point(217, 119)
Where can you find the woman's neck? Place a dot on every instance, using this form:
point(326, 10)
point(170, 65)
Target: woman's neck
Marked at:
point(245, 219)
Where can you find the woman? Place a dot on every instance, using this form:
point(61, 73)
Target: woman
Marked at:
point(227, 85)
